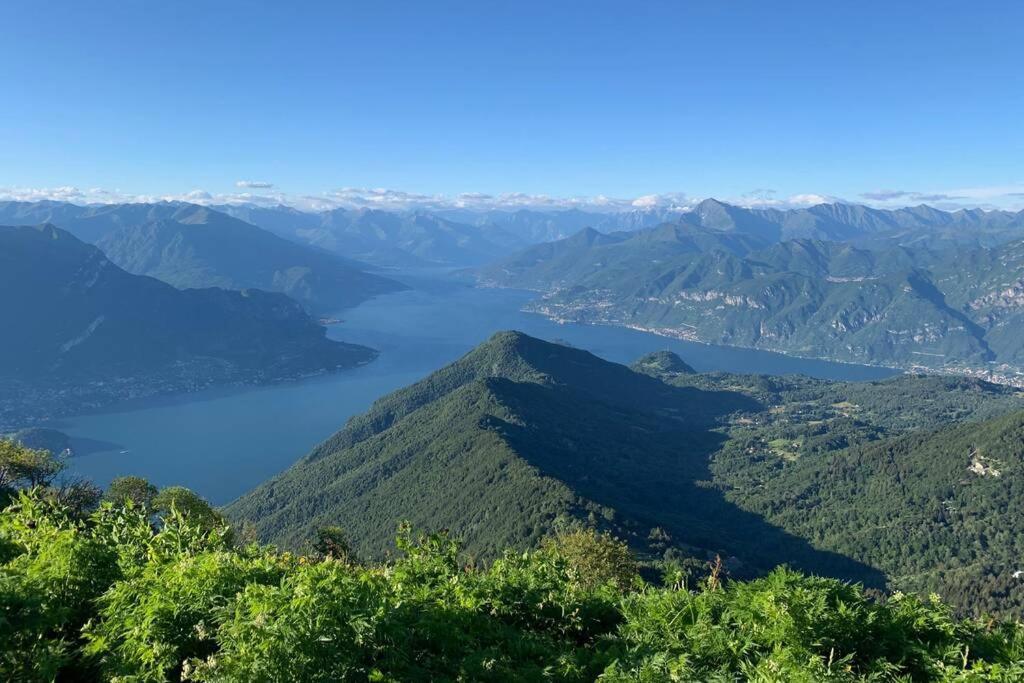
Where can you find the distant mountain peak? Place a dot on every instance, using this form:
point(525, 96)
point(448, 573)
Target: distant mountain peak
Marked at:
point(587, 235)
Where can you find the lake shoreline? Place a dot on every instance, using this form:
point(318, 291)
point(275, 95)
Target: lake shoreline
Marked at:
point(223, 441)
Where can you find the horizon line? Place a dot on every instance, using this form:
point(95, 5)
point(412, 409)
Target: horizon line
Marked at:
point(399, 201)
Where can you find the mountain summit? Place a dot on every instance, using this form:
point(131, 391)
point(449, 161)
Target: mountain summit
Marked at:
point(519, 437)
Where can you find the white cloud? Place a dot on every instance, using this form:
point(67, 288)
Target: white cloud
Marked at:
point(678, 201)
point(647, 201)
point(766, 199)
point(810, 199)
point(64, 193)
point(1010, 196)
point(254, 184)
point(1004, 196)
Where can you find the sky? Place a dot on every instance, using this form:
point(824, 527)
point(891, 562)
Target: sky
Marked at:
point(563, 103)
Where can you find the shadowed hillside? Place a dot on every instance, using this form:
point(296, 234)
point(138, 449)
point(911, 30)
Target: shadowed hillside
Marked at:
point(521, 436)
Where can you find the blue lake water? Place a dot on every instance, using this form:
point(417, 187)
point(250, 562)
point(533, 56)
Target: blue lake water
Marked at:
point(221, 443)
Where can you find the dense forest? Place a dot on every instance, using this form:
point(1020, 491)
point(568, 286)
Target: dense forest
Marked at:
point(151, 585)
point(522, 437)
point(915, 476)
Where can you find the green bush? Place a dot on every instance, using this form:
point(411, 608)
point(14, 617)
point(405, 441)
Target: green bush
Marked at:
point(123, 596)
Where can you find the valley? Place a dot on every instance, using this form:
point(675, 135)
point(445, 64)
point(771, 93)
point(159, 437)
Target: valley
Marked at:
point(511, 342)
point(416, 331)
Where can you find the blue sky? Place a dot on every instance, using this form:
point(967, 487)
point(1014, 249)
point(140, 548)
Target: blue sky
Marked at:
point(756, 100)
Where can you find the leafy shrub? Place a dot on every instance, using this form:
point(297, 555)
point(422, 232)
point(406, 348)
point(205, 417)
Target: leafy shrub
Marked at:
point(124, 596)
point(55, 570)
point(594, 558)
point(787, 626)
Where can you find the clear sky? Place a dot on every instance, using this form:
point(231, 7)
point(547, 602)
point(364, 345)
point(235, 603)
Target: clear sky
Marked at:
point(622, 99)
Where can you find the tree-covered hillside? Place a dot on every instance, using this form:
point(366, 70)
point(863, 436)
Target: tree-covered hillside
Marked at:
point(507, 443)
point(938, 511)
point(521, 437)
point(897, 474)
point(905, 306)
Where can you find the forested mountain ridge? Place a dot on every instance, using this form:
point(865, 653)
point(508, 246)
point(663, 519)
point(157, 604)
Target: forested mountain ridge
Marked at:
point(192, 246)
point(83, 330)
point(953, 310)
point(938, 510)
point(521, 436)
point(898, 474)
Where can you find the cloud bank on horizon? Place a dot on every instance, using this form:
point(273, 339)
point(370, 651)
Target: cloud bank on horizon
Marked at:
point(263, 193)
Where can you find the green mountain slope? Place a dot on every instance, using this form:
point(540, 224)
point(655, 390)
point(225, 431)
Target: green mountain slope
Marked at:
point(938, 510)
point(949, 310)
point(591, 259)
point(78, 323)
point(518, 437)
point(664, 364)
point(521, 436)
point(915, 476)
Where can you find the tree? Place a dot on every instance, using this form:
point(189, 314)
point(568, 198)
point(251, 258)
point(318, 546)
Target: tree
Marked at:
point(81, 496)
point(331, 541)
point(190, 505)
point(135, 489)
point(595, 558)
point(22, 467)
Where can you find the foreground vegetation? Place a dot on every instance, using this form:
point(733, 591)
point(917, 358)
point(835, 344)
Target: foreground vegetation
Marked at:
point(127, 594)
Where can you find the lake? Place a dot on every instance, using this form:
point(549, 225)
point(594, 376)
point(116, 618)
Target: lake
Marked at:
point(221, 443)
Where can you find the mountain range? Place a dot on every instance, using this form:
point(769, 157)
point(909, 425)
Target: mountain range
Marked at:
point(521, 437)
point(191, 246)
point(385, 238)
point(463, 236)
point(82, 331)
point(910, 288)
point(919, 226)
point(955, 308)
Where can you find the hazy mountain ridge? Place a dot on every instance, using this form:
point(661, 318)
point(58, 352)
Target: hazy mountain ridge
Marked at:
point(386, 238)
point(83, 331)
point(191, 246)
point(454, 236)
point(464, 236)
